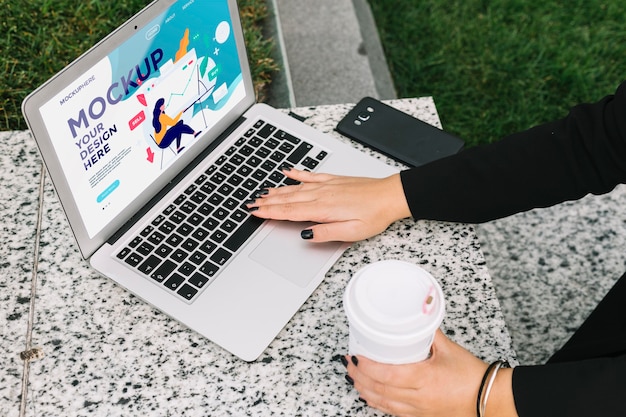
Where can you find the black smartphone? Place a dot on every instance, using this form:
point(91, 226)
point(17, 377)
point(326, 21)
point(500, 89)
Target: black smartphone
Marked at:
point(397, 134)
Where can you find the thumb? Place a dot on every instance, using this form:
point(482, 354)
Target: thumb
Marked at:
point(348, 231)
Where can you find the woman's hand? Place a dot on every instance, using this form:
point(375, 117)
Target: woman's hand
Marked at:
point(444, 385)
point(346, 208)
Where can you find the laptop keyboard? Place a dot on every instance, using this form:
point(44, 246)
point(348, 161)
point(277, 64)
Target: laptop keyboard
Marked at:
point(185, 246)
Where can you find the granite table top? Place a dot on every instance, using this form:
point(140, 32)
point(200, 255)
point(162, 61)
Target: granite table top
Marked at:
point(107, 353)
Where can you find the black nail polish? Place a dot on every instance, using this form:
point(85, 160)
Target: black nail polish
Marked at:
point(355, 360)
point(306, 234)
point(251, 209)
point(344, 361)
point(350, 380)
point(248, 202)
point(285, 167)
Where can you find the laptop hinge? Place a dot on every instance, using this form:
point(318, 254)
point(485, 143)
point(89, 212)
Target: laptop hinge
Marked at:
point(161, 194)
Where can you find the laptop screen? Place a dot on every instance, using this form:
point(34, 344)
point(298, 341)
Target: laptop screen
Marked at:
point(127, 119)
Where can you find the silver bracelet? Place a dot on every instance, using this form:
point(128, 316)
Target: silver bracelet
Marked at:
point(486, 384)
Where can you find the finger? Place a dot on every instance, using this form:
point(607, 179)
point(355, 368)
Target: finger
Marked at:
point(394, 375)
point(346, 231)
point(296, 208)
point(390, 399)
point(341, 231)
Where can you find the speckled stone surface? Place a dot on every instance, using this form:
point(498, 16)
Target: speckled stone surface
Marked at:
point(19, 184)
point(110, 354)
point(552, 266)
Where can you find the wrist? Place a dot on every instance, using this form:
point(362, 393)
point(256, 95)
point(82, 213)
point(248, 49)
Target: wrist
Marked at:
point(501, 402)
point(398, 207)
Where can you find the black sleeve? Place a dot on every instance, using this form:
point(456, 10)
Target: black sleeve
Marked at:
point(582, 153)
point(594, 387)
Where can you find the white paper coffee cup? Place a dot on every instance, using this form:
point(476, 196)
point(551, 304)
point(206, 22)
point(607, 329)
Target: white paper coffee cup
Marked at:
point(393, 308)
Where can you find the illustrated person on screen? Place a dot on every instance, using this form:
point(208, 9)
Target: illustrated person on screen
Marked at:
point(167, 129)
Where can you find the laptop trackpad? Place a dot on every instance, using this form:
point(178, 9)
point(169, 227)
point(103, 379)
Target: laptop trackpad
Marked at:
point(295, 259)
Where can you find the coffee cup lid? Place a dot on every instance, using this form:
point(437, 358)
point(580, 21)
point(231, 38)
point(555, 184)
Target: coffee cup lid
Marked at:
point(395, 297)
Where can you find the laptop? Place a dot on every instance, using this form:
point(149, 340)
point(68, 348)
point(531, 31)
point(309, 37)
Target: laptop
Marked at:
point(154, 142)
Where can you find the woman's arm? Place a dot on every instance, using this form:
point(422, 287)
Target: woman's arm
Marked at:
point(345, 208)
point(563, 160)
point(594, 387)
point(446, 384)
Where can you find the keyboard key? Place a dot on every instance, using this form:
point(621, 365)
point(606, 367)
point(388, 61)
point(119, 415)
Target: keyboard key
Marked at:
point(200, 234)
point(221, 256)
point(198, 257)
point(235, 179)
point(174, 282)
point(218, 236)
point(218, 178)
point(168, 210)
point(210, 223)
point(124, 253)
point(286, 136)
point(167, 227)
point(310, 163)
point(246, 150)
point(198, 279)
point(177, 217)
point(195, 219)
point(146, 231)
point(277, 176)
point(156, 238)
point(184, 229)
point(299, 153)
point(286, 147)
point(238, 215)
point(245, 230)
point(163, 271)
point(202, 178)
point(189, 245)
point(272, 143)
point(149, 264)
point(241, 194)
point(266, 131)
point(198, 197)
point(188, 207)
point(163, 251)
point(225, 189)
point(186, 269)
point(255, 142)
point(190, 189)
point(228, 226)
point(145, 248)
point(268, 166)
point(220, 213)
point(135, 242)
point(277, 156)
point(321, 155)
point(205, 209)
point(134, 259)
point(208, 187)
point(208, 247)
point(187, 291)
point(179, 256)
point(174, 240)
point(209, 269)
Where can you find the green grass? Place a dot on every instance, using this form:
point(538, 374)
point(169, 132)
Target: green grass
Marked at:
point(496, 67)
point(40, 37)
